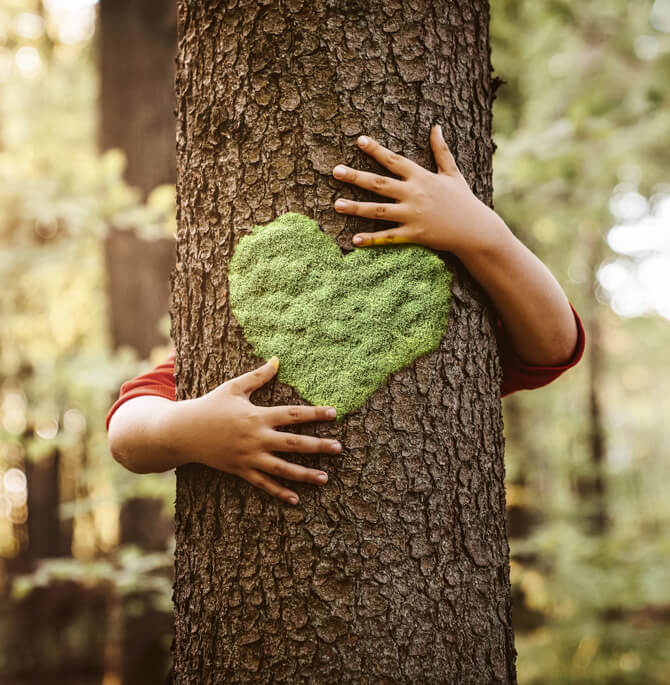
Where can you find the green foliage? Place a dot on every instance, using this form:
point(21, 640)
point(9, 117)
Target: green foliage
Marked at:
point(581, 113)
point(133, 570)
point(58, 197)
point(339, 324)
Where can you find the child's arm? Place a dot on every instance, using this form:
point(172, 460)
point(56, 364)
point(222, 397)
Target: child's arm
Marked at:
point(440, 211)
point(221, 429)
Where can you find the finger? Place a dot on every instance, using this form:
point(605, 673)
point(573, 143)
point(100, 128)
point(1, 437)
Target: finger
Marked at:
point(446, 164)
point(386, 211)
point(263, 482)
point(252, 380)
point(285, 416)
point(285, 469)
point(382, 185)
point(399, 165)
point(290, 442)
point(389, 237)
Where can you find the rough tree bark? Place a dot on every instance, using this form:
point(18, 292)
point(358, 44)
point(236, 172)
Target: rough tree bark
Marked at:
point(397, 570)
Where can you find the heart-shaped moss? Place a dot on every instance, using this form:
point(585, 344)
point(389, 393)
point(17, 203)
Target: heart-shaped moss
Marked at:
point(339, 324)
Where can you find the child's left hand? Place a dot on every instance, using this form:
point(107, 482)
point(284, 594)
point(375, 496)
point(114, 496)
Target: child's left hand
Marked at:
point(434, 209)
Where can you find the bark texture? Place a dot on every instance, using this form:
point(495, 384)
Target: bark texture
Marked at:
point(397, 570)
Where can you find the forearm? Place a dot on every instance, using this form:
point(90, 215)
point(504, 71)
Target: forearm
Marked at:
point(138, 437)
point(529, 300)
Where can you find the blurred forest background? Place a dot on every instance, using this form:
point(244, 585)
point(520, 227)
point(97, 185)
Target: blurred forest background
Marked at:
point(87, 223)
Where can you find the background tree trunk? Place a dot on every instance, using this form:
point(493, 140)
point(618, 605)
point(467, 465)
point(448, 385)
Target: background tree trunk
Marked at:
point(592, 485)
point(137, 51)
point(48, 536)
point(137, 45)
point(396, 570)
point(138, 287)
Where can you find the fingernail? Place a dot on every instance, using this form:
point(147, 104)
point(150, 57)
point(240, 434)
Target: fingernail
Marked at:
point(274, 362)
point(357, 240)
point(340, 203)
point(363, 140)
point(439, 128)
point(322, 477)
point(331, 412)
point(335, 447)
point(293, 500)
point(339, 170)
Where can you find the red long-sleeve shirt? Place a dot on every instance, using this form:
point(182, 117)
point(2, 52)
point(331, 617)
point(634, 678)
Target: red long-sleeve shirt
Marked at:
point(516, 374)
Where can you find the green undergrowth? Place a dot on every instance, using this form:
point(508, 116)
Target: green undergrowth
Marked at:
point(338, 324)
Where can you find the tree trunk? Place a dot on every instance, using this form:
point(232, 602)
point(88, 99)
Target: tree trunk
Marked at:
point(138, 288)
point(137, 51)
point(397, 570)
point(597, 487)
point(48, 536)
point(593, 486)
point(137, 45)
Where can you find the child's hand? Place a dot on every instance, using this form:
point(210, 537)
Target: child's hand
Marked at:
point(434, 209)
point(224, 430)
point(440, 211)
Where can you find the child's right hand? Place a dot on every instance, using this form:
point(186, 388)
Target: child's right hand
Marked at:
point(224, 430)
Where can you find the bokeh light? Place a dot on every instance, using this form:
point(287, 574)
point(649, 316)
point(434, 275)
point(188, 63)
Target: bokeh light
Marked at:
point(28, 61)
point(638, 283)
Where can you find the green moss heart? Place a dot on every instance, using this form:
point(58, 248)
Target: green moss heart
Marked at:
point(339, 324)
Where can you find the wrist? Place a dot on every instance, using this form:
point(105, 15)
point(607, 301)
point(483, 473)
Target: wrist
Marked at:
point(171, 430)
point(490, 240)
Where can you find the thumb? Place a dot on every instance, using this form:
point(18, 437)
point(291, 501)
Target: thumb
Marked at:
point(252, 380)
point(443, 157)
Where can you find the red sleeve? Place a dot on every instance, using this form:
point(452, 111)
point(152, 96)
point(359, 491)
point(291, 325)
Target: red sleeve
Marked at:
point(159, 382)
point(518, 375)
